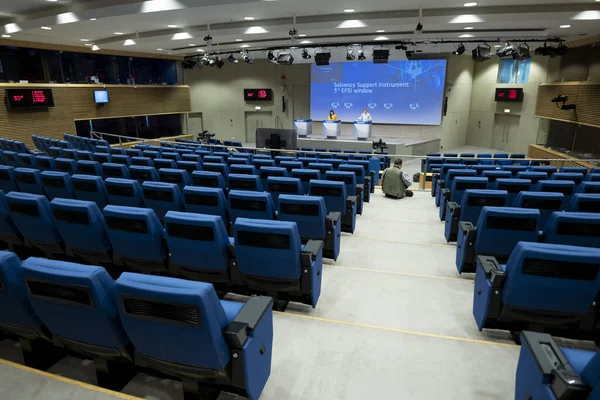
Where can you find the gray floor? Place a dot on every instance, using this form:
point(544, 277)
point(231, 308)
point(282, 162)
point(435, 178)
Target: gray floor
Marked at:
point(394, 321)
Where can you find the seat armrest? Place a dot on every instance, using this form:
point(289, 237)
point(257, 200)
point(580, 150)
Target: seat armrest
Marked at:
point(310, 252)
point(493, 272)
point(466, 227)
point(441, 183)
point(361, 187)
point(237, 331)
point(564, 381)
point(231, 251)
point(350, 201)
point(454, 208)
point(333, 218)
point(446, 193)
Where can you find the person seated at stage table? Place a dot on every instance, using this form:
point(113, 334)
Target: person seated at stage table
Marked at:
point(395, 182)
point(332, 116)
point(365, 116)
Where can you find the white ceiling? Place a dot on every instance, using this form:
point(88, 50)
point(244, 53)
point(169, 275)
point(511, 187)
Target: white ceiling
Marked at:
point(146, 22)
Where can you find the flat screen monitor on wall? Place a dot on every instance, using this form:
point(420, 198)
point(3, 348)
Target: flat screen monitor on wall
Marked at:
point(100, 96)
point(29, 98)
point(407, 92)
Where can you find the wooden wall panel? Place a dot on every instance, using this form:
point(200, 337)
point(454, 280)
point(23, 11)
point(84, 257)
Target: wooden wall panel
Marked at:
point(542, 153)
point(584, 94)
point(76, 102)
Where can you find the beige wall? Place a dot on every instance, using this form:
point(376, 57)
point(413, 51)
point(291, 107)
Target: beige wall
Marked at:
point(484, 109)
point(218, 95)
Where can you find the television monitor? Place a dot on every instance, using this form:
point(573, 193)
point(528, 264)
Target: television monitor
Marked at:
point(101, 96)
point(272, 138)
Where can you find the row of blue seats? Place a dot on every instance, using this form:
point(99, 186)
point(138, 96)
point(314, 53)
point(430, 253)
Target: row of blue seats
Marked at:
point(43, 144)
point(433, 162)
point(13, 145)
point(169, 326)
point(263, 256)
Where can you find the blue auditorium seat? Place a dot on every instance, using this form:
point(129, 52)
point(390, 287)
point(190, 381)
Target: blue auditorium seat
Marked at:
point(547, 169)
point(209, 179)
point(101, 157)
point(137, 237)
point(223, 154)
point(124, 192)
point(66, 165)
point(89, 168)
point(134, 153)
point(352, 189)
point(290, 165)
point(57, 184)
point(70, 154)
point(222, 168)
point(206, 200)
point(336, 200)
point(32, 216)
point(171, 156)
point(243, 169)
point(573, 228)
point(321, 167)
point(214, 159)
point(179, 177)
point(260, 163)
point(513, 187)
point(237, 161)
point(9, 234)
point(29, 180)
point(244, 182)
point(78, 304)
point(102, 149)
point(278, 186)
point(162, 197)
point(189, 166)
point(460, 186)
point(534, 177)
point(464, 216)
point(547, 372)
point(262, 156)
point(112, 170)
point(578, 170)
point(45, 163)
point(433, 162)
point(249, 204)
point(200, 247)
point(494, 175)
point(8, 182)
point(191, 157)
point(164, 163)
point(310, 215)
point(90, 188)
point(266, 172)
point(497, 232)
point(53, 151)
point(567, 188)
point(121, 159)
point(547, 203)
point(576, 177)
point(359, 172)
point(480, 168)
point(26, 160)
point(542, 286)
point(305, 161)
point(271, 259)
point(589, 187)
point(219, 342)
point(584, 202)
point(117, 151)
point(143, 174)
point(81, 225)
point(151, 154)
point(142, 161)
point(514, 169)
point(85, 155)
point(279, 159)
point(439, 180)
point(593, 177)
point(443, 193)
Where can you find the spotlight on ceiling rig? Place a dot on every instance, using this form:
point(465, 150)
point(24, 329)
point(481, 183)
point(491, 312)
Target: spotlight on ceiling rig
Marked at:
point(232, 59)
point(482, 53)
point(522, 52)
point(322, 58)
point(506, 50)
point(350, 54)
point(305, 54)
point(285, 58)
point(247, 58)
point(219, 63)
point(460, 50)
point(361, 54)
point(270, 55)
point(381, 56)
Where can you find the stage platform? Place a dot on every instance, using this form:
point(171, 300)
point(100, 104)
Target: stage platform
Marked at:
point(404, 146)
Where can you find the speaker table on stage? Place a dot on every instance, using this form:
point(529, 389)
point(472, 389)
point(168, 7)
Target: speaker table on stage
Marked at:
point(303, 127)
point(332, 129)
point(362, 130)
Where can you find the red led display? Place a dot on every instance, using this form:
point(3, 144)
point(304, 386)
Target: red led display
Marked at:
point(24, 98)
point(512, 95)
point(258, 94)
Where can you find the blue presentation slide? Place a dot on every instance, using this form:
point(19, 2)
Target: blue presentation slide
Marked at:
point(400, 92)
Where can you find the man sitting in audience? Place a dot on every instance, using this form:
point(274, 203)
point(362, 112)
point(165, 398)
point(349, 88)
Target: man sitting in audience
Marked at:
point(394, 182)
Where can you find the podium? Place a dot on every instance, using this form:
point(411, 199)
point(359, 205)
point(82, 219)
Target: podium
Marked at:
point(303, 127)
point(362, 130)
point(332, 129)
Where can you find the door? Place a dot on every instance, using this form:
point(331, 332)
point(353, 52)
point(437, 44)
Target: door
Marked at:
point(506, 129)
point(255, 120)
point(195, 123)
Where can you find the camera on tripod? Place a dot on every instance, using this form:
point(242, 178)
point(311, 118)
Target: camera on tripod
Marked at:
point(204, 137)
point(379, 146)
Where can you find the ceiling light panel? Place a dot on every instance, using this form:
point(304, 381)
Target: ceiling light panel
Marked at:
point(349, 10)
point(352, 23)
point(181, 36)
point(587, 15)
point(254, 30)
point(466, 19)
point(129, 42)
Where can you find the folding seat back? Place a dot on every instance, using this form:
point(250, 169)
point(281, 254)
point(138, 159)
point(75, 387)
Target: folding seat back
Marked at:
point(29, 180)
point(32, 216)
point(57, 184)
point(81, 225)
point(447, 167)
point(450, 154)
point(452, 161)
point(101, 157)
point(162, 197)
point(463, 183)
point(8, 182)
point(584, 202)
point(8, 230)
point(262, 156)
point(199, 246)
point(278, 186)
point(206, 200)
point(363, 163)
point(244, 182)
point(547, 169)
point(480, 168)
point(433, 162)
point(164, 163)
point(85, 167)
point(500, 155)
point(171, 156)
point(321, 167)
point(305, 161)
point(117, 151)
point(66, 165)
point(260, 163)
point(593, 177)
point(577, 170)
point(494, 175)
point(576, 177)
point(191, 157)
point(84, 155)
point(45, 163)
point(142, 161)
point(223, 154)
point(26, 160)
point(534, 177)
point(90, 188)
point(214, 159)
point(334, 194)
point(143, 174)
point(243, 169)
point(53, 151)
point(547, 203)
point(112, 170)
point(308, 212)
point(247, 204)
point(189, 167)
point(71, 154)
point(573, 228)
point(499, 229)
point(280, 159)
point(513, 187)
point(179, 177)
point(551, 279)
point(473, 201)
point(151, 154)
point(237, 161)
point(209, 179)
point(589, 187)
point(137, 237)
point(514, 169)
point(348, 178)
point(124, 192)
point(62, 293)
point(466, 155)
point(266, 172)
point(155, 148)
point(134, 153)
point(290, 165)
point(595, 170)
point(567, 188)
point(359, 172)
point(121, 159)
point(221, 168)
